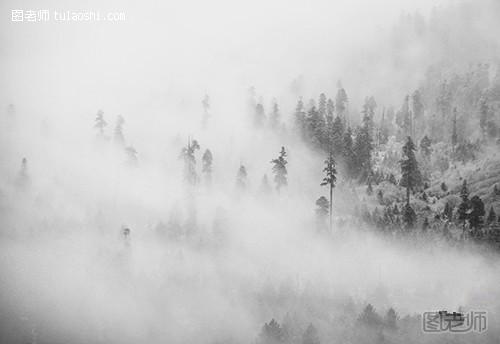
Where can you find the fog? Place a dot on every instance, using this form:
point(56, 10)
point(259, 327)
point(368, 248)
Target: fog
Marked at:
point(241, 257)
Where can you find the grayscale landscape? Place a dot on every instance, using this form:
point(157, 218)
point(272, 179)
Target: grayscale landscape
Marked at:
point(261, 172)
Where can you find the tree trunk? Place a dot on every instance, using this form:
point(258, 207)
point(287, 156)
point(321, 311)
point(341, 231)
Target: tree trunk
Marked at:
point(331, 195)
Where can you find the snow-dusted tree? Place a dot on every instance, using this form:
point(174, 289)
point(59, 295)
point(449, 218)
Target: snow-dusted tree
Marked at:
point(341, 102)
point(131, 156)
point(274, 116)
point(279, 170)
point(410, 174)
point(310, 335)
point(100, 123)
point(425, 146)
point(330, 179)
point(187, 154)
point(118, 136)
point(241, 178)
point(207, 160)
point(464, 206)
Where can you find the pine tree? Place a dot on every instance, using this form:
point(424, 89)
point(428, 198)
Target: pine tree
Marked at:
point(492, 216)
point(391, 319)
point(259, 116)
point(322, 211)
point(300, 118)
point(310, 335)
point(448, 211)
point(315, 124)
point(187, 154)
point(322, 105)
point(274, 117)
point(131, 156)
point(369, 317)
point(464, 206)
point(279, 170)
point(425, 146)
point(409, 216)
point(118, 137)
point(241, 178)
point(477, 212)
point(362, 150)
point(337, 136)
point(271, 333)
point(410, 174)
point(341, 101)
point(207, 160)
point(100, 123)
point(330, 180)
point(348, 152)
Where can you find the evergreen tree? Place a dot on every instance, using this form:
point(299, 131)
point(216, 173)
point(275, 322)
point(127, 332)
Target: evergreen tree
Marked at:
point(410, 174)
point(448, 211)
point(23, 178)
point(322, 211)
point(362, 150)
point(370, 317)
point(409, 216)
point(330, 180)
point(207, 160)
point(341, 101)
point(259, 116)
point(477, 212)
point(300, 118)
point(391, 319)
point(131, 156)
point(271, 333)
point(310, 335)
point(241, 178)
point(100, 123)
point(492, 216)
point(380, 196)
point(118, 137)
point(315, 124)
point(330, 111)
point(337, 136)
point(425, 146)
point(187, 154)
point(279, 170)
point(464, 206)
point(348, 152)
point(322, 105)
point(369, 113)
point(274, 117)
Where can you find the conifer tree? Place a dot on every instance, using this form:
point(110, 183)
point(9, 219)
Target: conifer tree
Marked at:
point(187, 154)
point(207, 160)
point(391, 319)
point(300, 118)
point(131, 156)
point(241, 178)
point(464, 207)
point(341, 101)
point(271, 333)
point(23, 178)
point(100, 123)
point(274, 117)
point(492, 216)
point(337, 136)
point(118, 137)
point(330, 180)
point(348, 152)
point(444, 187)
point(448, 211)
point(477, 212)
point(311, 335)
point(362, 150)
point(315, 127)
point(425, 146)
point(259, 116)
point(279, 170)
point(410, 174)
point(409, 216)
